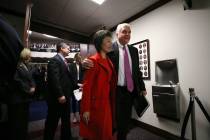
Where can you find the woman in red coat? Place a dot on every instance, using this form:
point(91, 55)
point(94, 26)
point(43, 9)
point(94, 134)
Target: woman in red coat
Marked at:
point(98, 92)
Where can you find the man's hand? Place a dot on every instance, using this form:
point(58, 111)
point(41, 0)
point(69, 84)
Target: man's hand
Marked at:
point(80, 86)
point(62, 99)
point(87, 63)
point(86, 117)
point(32, 90)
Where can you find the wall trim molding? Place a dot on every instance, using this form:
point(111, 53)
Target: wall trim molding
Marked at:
point(156, 130)
point(144, 12)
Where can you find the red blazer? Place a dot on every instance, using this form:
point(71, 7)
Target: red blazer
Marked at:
point(98, 99)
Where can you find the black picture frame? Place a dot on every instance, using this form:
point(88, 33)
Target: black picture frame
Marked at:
point(144, 57)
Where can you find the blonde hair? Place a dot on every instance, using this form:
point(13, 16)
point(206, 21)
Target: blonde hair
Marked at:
point(122, 25)
point(25, 54)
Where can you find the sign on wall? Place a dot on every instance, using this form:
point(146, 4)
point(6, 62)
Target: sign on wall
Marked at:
point(144, 58)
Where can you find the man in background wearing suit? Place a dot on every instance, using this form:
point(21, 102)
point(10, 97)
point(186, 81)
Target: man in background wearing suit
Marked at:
point(130, 83)
point(60, 85)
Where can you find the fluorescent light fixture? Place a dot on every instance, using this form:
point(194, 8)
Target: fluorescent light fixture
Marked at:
point(49, 36)
point(29, 32)
point(98, 1)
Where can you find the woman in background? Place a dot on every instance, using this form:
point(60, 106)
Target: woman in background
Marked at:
point(18, 107)
point(77, 73)
point(98, 92)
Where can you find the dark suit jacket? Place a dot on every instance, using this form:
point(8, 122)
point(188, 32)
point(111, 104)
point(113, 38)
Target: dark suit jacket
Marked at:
point(23, 82)
point(136, 73)
point(73, 70)
point(60, 81)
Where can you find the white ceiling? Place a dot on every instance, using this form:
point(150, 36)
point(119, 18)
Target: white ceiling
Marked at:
point(80, 16)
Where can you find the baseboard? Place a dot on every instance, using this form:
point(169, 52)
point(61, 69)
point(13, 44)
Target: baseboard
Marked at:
point(157, 131)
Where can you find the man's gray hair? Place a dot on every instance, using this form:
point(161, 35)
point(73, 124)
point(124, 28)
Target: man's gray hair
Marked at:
point(122, 25)
point(60, 45)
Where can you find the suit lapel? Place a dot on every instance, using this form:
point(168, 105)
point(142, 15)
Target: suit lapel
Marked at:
point(62, 62)
point(116, 55)
point(80, 72)
point(75, 68)
point(24, 66)
point(76, 72)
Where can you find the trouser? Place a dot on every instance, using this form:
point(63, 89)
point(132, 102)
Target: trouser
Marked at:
point(55, 112)
point(124, 101)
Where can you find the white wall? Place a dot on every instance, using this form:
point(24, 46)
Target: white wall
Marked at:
point(184, 35)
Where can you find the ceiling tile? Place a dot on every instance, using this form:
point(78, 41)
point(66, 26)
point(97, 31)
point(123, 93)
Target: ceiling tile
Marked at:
point(83, 16)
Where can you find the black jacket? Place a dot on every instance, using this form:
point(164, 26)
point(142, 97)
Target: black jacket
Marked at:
point(73, 70)
point(60, 81)
point(22, 84)
point(136, 73)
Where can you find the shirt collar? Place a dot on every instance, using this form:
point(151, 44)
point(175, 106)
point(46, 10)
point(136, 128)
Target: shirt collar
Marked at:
point(120, 45)
point(63, 58)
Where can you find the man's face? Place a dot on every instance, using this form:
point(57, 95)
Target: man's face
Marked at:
point(65, 50)
point(124, 35)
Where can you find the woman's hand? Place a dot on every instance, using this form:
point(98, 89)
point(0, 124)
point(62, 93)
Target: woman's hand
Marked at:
point(32, 90)
point(86, 117)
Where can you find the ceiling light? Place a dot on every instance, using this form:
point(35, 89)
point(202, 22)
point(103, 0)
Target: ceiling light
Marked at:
point(98, 1)
point(29, 32)
point(49, 36)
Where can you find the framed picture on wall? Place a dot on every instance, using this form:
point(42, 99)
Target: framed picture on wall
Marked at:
point(144, 58)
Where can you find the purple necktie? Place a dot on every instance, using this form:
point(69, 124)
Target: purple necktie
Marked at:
point(128, 75)
point(66, 64)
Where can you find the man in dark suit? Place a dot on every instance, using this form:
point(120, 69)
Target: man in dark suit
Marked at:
point(130, 83)
point(60, 84)
point(126, 92)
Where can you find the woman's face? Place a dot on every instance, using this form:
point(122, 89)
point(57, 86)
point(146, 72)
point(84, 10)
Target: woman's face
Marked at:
point(106, 44)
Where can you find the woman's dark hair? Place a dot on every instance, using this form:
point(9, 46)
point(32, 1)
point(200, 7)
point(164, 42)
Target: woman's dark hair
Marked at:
point(99, 37)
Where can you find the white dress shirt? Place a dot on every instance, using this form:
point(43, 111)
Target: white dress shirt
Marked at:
point(121, 73)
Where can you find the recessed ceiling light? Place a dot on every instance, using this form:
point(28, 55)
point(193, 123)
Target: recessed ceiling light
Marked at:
point(98, 1)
